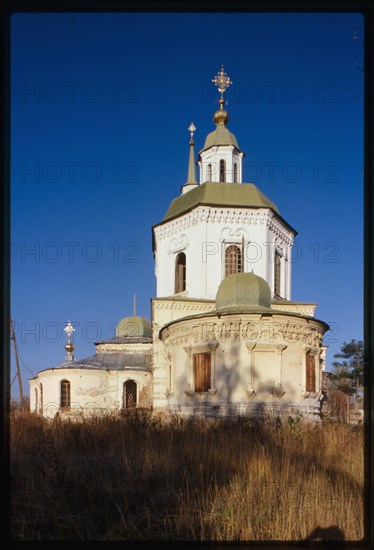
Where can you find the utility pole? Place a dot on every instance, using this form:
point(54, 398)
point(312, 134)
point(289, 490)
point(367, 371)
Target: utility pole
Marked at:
point(13, 337)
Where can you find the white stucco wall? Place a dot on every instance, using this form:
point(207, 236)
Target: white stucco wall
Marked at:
point(204, 233)
point(256, 360)
point(230, 154)
point(92, 391)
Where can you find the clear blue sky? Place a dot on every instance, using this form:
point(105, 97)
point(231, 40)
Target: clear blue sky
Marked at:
point(99, 147)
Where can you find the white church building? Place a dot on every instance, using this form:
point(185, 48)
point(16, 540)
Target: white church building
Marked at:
point(224, 338)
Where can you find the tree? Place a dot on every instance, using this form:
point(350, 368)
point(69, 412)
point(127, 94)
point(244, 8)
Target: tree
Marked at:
point(348, 374)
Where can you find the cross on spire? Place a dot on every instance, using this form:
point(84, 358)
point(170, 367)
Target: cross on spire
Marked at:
point(192, 129)
point(69, 329)
point(222, 81)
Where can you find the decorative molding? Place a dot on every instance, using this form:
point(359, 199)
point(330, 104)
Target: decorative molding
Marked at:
point(278, 390)
point(309, 350)
point(177, 244)
point(233, 235)
point(179, 305)
point(212, 345)
point(279, 230)
point(124, 348)
point(227, 215)
point(262, 332)
point(294, 308)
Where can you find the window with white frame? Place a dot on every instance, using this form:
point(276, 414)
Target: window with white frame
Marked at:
point(233, 260)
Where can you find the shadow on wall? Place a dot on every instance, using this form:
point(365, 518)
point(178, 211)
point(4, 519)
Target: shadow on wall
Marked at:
point(326, 533)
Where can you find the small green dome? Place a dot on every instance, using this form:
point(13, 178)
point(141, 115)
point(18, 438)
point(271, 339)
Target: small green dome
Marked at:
point(134, 326)
point(243, 289)
point(220, 136)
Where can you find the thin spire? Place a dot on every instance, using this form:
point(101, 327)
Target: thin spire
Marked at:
point(191, 177)
point(134, 304)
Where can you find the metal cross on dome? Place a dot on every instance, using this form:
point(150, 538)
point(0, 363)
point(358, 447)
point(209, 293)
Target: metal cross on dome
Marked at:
point(69, 329)
point(222, 81)
point(192, 128)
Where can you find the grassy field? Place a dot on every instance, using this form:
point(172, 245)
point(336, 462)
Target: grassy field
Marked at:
point(139, 478)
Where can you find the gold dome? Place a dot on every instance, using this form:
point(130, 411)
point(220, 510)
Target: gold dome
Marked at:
point(221, 116)
point(69, 347)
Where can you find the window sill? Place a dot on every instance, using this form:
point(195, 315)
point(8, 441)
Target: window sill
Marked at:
point(309, 394)
point(211, 391)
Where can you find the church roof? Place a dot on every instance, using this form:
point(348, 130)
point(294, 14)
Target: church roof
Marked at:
point(220, 136)
point(240, 195)
point(110, 361)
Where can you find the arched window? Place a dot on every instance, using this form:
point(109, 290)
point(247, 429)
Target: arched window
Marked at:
point(277, 274)
point(233, 260)
point(180, 273)
point(235, 173)
point(222, 171)
point(65, 394)
point(129, 394)
point(41, 397)
point(209, 173)
point(36, 400)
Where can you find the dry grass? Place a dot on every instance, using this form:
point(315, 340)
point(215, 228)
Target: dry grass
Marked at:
point(139, 478)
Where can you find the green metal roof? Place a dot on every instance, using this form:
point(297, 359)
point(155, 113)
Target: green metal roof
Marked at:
point(245, 195)
point(243, 289)
point(220, 136)
point(134, 326)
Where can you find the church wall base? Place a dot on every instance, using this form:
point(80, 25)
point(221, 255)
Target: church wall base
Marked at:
point(256, 410)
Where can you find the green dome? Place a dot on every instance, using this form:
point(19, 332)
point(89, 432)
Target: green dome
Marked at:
point(134, 326)
point(220, 136)
point(243, 289)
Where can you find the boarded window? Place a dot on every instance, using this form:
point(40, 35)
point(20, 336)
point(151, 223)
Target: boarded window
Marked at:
point(201, 365)
point(180, 273)
point(235, 173)
point(129, 394)
point(222, 171)
point(209, 173)
point(310, 373)
point(277, 274)
point(233, 260)
point(65, 394)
